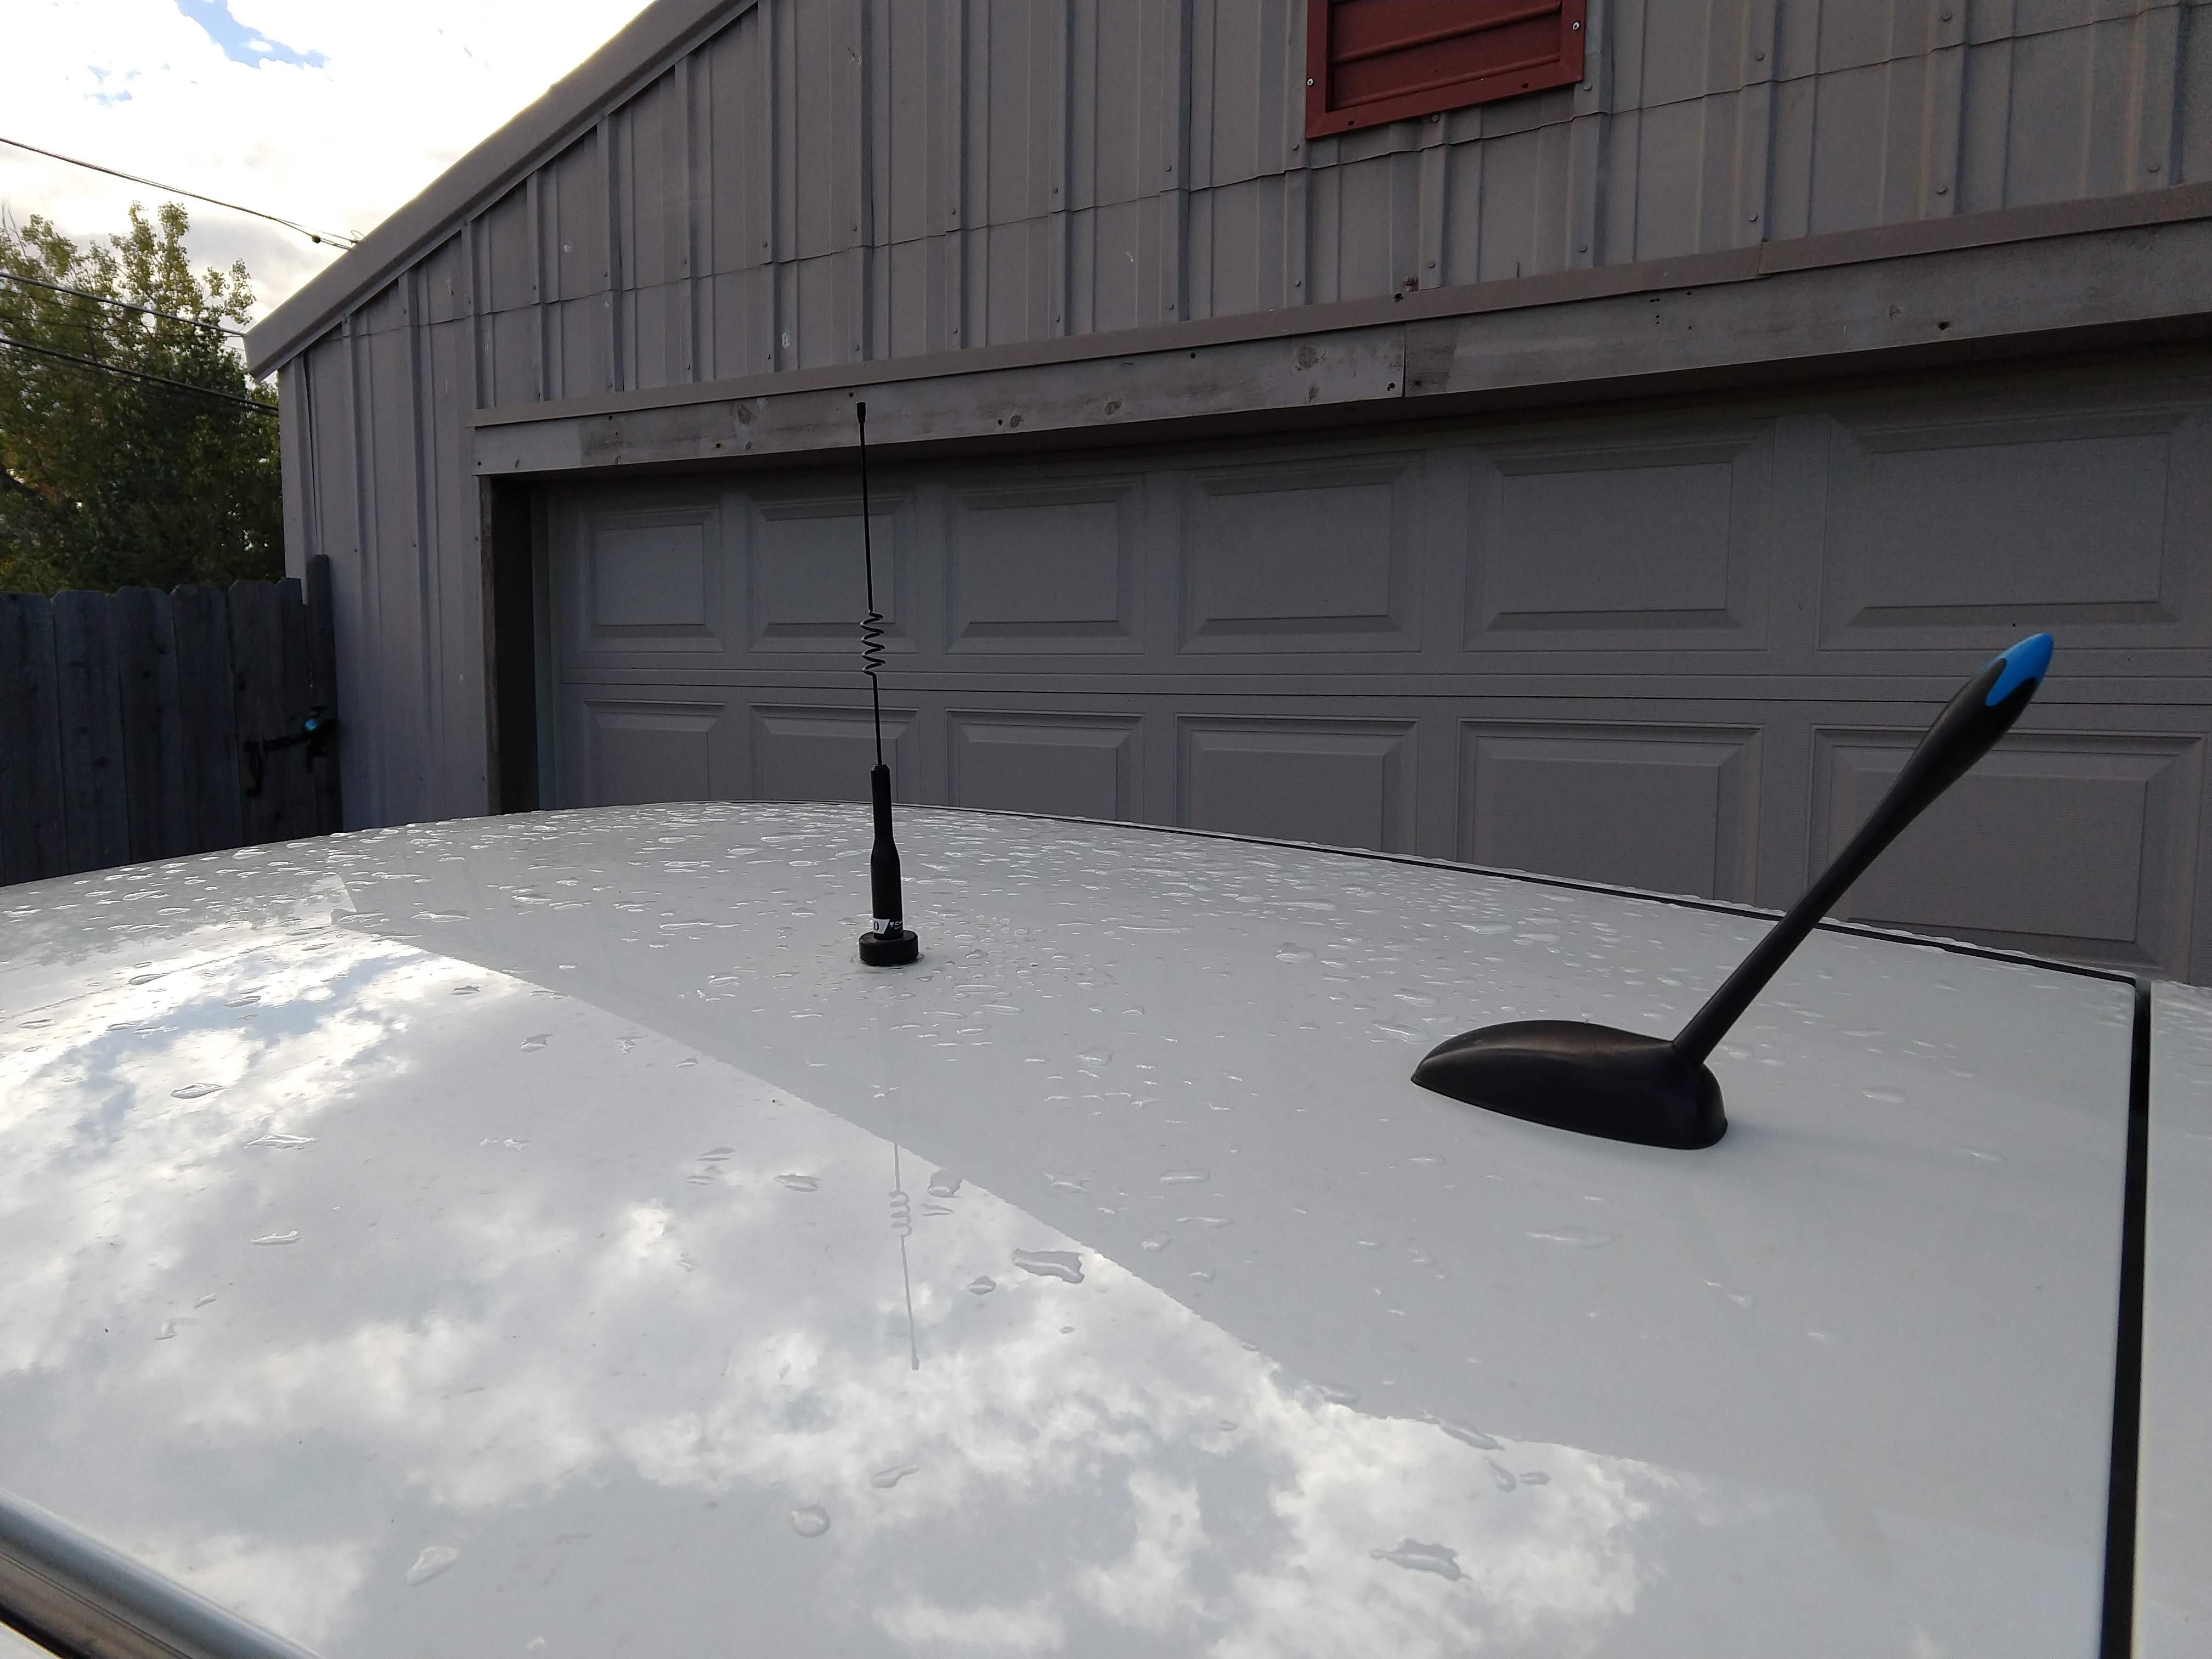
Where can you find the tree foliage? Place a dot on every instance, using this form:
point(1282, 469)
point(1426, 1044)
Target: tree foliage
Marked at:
point(109, 482)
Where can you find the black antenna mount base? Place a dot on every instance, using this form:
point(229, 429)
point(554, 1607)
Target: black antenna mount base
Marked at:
point(892, 949)
point(1620, 1084)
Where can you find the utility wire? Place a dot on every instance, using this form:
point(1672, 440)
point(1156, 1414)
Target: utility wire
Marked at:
point(127, 305)
point(137, 374)
point(329, 236)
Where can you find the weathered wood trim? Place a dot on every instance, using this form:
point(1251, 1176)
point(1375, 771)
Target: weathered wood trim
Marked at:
point(1958, 307)
point(2180, 205)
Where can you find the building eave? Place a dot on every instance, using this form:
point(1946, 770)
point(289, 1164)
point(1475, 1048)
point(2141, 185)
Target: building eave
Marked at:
point(642, 51)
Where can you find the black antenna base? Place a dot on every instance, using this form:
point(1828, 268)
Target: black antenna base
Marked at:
point(1590, 1079)
point(893, 948)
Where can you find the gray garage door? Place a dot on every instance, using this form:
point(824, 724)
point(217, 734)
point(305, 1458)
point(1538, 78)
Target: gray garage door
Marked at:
point(1679, 648)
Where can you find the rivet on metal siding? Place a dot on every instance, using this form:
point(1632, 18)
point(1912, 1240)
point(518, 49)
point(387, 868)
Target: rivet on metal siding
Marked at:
point(1573, 26)
point(1310, 80)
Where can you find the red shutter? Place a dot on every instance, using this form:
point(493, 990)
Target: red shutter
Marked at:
point(1372, 60)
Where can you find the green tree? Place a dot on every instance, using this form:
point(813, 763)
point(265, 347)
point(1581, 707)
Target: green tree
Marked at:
point(108, 481)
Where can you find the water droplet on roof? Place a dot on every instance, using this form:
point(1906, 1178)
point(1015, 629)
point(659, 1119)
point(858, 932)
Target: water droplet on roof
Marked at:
point(1051, 1264)
point(1184, 1177)
point(980, 1285)
point(1585, 1236)
point(292, 1237)
point(194, 1092)
point(1418, 1557)
point(886, 1478)
point(799, 1183)
point(434, 1560)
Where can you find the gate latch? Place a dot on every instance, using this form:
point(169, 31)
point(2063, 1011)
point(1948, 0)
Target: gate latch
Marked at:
point(314, 731)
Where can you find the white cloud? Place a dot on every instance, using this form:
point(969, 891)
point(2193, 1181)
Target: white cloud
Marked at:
point(404, 89)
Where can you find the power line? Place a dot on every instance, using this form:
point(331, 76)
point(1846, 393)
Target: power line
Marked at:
point(137, 374)
point(102, 298)
point(330, 236)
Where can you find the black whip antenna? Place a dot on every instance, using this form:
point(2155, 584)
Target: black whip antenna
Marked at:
point(889, 944)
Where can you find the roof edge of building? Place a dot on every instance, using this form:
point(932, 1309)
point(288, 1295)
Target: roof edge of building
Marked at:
point(642, 49)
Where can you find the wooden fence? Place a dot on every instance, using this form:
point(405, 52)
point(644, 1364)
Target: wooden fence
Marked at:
point(143, 724)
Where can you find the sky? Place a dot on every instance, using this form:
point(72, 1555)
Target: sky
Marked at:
point(329, 113)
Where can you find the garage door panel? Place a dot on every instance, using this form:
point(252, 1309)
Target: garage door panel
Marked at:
point(827, 753)
point(1678, 648)
point(1671, 808)
point(1047, 569)
point(1624, 543)
point(1341, 783)
point(2083, 844)
point(1302, 555)
point(808, 586)
point(645, 581)
point(1084, 765)
point(1963, 533)
point(628, 746)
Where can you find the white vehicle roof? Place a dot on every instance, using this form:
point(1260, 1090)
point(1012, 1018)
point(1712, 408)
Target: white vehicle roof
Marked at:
point(540, 1235)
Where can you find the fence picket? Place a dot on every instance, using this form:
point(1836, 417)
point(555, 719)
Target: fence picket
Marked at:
point(323, 690)
point(153, 725)
point(93, 803)
point(256, 666)
point(203, 631)
point(33, 836)
point(295, 778)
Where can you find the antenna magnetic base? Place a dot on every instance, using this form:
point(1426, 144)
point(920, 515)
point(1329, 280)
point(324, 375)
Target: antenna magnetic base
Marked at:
point(893, 950)
point(1593, 1079)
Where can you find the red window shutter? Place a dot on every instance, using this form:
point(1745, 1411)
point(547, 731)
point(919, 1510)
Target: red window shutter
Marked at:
point(1372, 60)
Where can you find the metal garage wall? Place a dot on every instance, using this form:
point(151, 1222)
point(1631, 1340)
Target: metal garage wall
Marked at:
point(1680, 649)
point(825, 181)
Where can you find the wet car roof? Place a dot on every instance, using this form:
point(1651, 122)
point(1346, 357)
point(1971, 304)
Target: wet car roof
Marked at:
point(438, 1240)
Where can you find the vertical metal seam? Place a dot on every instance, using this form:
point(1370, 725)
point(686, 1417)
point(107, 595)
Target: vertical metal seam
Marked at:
point(1062, 221)
point(1943, 120)
point(366, 561)
point(1175, 209)
point(471, 248)
point(683, 74)
point(2159, 46)
point(862, 280)
point(612, 267)
point(955, 116)
point(534, 211)
point(422, 459)
point(1754, 208)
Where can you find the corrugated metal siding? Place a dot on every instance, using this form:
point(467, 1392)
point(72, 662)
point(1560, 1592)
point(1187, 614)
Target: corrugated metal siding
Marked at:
point(827, 181)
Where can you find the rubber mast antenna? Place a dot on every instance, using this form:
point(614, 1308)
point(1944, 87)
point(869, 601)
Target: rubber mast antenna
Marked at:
point(889, 943)
point(1634, 1086)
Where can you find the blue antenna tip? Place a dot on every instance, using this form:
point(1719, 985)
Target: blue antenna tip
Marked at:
point(2023, 663)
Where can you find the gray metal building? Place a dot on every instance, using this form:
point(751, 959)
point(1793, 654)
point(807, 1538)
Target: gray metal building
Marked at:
point(1608, 479)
